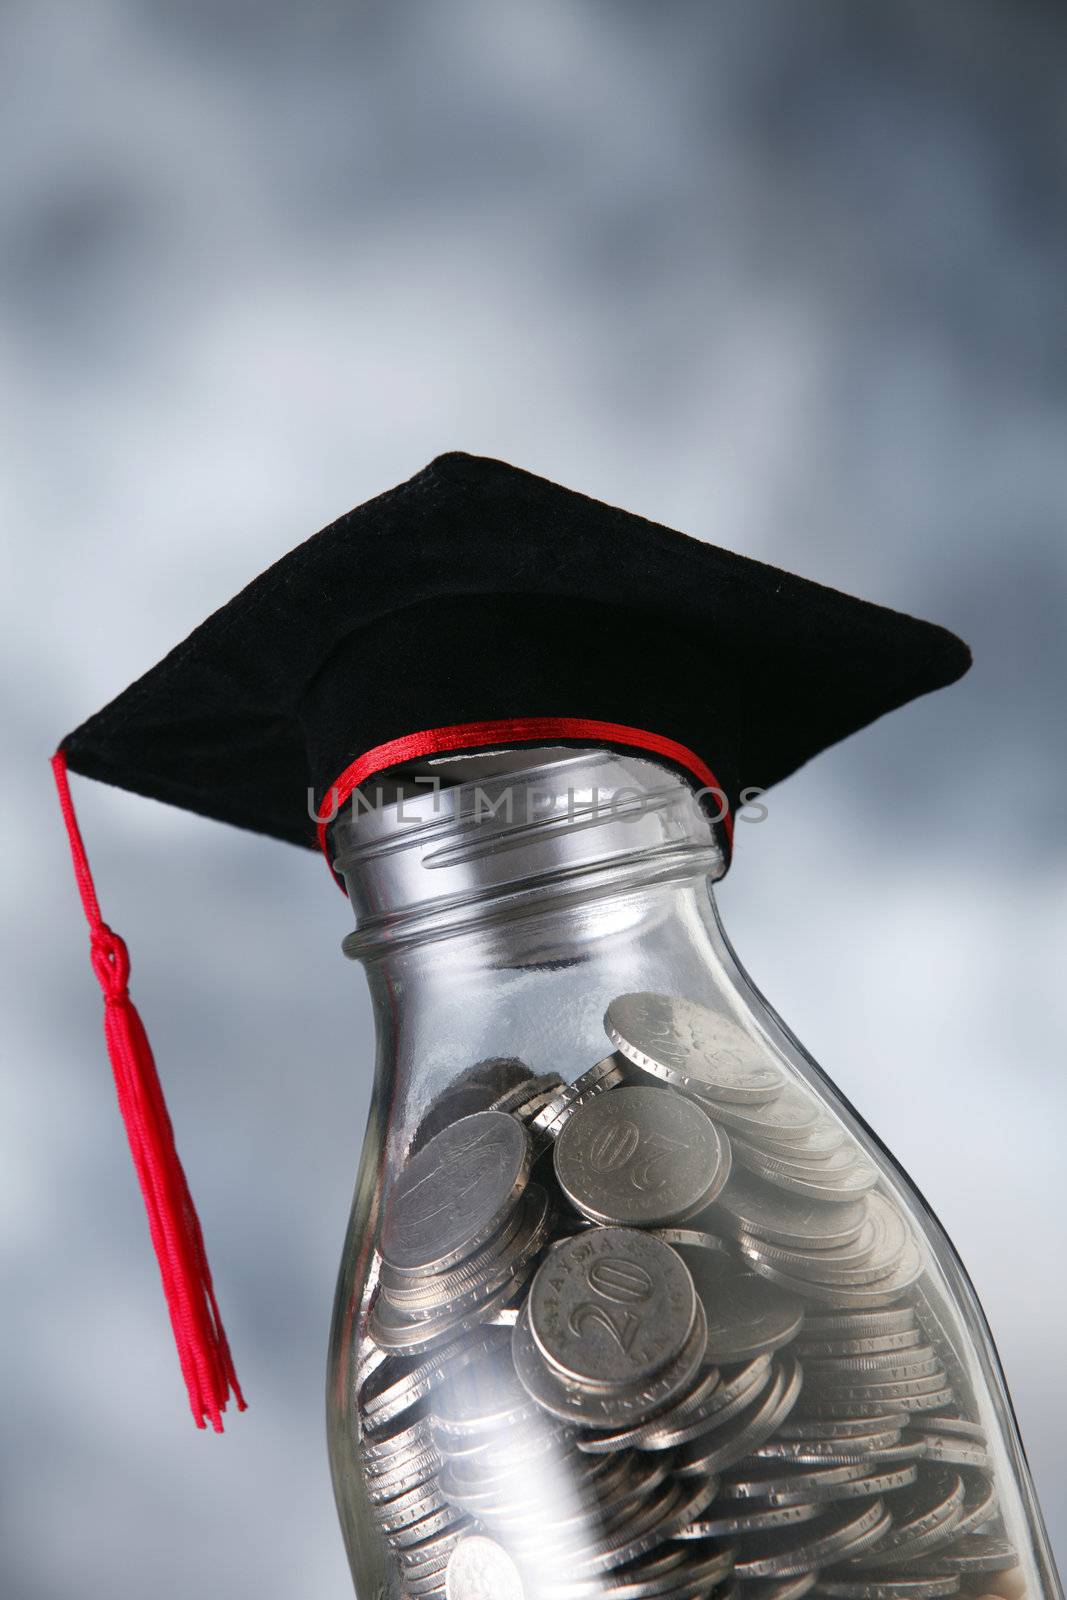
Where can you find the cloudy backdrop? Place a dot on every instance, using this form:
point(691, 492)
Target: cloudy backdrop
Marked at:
point(787, 276)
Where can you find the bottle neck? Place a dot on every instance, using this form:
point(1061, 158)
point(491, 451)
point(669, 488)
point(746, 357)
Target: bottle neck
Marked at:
point(511, 849)
point(497, 928)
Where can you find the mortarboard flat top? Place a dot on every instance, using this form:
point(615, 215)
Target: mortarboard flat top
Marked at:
point(476, 596)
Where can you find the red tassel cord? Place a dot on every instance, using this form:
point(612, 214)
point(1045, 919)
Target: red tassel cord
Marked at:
point(172, 1220)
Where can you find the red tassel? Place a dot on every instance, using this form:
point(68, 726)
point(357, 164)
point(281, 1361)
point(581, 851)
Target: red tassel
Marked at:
point(172, 1220)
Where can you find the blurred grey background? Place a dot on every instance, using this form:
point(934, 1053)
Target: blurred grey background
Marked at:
point(787, 276)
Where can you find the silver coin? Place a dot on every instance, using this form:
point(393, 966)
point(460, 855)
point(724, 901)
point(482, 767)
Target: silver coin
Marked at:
point(750, 1206)
point(907, 1269)
point(431, 1554)
point(523, 1234)
point(832, 1184)
point(691, 1238)
point(726, 1400)
point(722, 1524)
point(456, 1192)
point(388, 1393)
point(843, 1427)
point(481, 1569)
point(879, 1364)
point(859, 1324)
point(885, 1243)
point(553, 1117)
point(822, 1139)
point(826, 1409)
point(926, 1514)
point(667, 1429)
point(959, 1427)
point(407, 1436)
point(980, 1505)
point(790, 1119)
point(585, 1406)
point(611, 1308)
point(976, 1553)
point(691, 1047)
point(746, 1317)
point(830, 1382)
point(461, 1100)
point(483, 1398)
point(823, 1261)
point(667, 1574)
point(811, 1452)
point(437, 1522)
point(521, 1094)
point(803, 1161)
point(887, 1588)
point(723, 1447)
point(755, 1482)
point(837, 1535)
point(889, 1392)
point(641, 1158)
point(873, 1344)
point(949, 1451)
point(878, 1482)
point(410, 1336)
point(413, 1505)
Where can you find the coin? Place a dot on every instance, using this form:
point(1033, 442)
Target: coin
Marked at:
point(611, 1308)
point(750, 1206)
point(949, 1450)
point(813, 1451)
point(481, 1569)
point(691, 1047)
point(693, 1238)
point(722, 1447)
point(929, 1511)
point(641, 1157)
point(840, 1182)
point(902, 1273)
point(843, 1427)
point(746, 1317)
point(453, 1195)
point(960, 1426)
point(887, 1587)
point(724, 1521)
point(389, 1392)
point(530, 1089)
point(836, 1535)
point(975, 1552)
point(872, 1344)
point(521, 1236)
point(980, 1504)
point(790, 1119)
point(859, 1324)
point(639, 1421)
point(595, 1408)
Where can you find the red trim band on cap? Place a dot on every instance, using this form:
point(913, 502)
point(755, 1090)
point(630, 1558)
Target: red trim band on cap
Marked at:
point(515, 730)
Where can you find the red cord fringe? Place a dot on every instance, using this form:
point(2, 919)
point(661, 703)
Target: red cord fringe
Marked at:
point(172, 1220)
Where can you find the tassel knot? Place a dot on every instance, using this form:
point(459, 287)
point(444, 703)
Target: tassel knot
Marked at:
point(111, 961)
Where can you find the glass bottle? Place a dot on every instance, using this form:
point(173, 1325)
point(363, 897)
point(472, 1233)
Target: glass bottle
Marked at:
point(631, 1302)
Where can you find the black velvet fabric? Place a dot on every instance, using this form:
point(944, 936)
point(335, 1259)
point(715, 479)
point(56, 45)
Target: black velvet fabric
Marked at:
point(476, 591)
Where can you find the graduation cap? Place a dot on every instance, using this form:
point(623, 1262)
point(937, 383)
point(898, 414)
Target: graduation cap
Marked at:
point(473, 606)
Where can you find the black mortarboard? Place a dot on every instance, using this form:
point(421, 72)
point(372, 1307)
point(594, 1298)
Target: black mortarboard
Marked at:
point(474, 605)
point(477, 593)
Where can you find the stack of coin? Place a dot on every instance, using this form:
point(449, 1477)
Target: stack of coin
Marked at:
point(660, 1332)
point(551, 1119)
